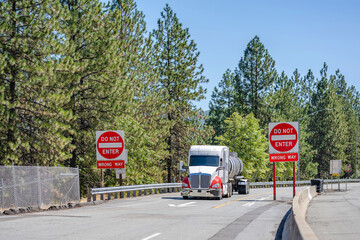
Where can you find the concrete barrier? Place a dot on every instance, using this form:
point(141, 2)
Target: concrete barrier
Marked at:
point(296, 226)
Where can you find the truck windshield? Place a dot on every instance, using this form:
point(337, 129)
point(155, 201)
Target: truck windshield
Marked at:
point(204, 161)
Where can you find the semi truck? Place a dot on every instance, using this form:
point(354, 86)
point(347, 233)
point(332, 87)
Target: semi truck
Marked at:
point(214, 171)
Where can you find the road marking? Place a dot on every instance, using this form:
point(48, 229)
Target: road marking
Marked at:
point(152, 236)
point(263, 198)
point(131, 205)
point(181, 205)
point(249, 204)
point(242, 199)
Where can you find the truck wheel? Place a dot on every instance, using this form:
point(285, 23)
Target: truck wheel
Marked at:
point(230, 190)
point(185, 197)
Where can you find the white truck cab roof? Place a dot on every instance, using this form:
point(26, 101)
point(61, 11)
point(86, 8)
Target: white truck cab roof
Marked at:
point(206, 150)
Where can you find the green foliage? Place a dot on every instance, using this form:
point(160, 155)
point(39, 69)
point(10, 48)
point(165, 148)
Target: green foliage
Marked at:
point(32, 118)
point(71, 68)
point(244, 136)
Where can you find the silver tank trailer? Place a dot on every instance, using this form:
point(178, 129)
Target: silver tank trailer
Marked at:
point(236, 165)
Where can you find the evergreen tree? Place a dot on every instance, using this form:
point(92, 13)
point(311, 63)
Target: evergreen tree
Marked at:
point(256, 73)
point(223, 103)
point(32, 120)
point(180, 78)
point(139, 109)
point(328, 128)
point(247, 89)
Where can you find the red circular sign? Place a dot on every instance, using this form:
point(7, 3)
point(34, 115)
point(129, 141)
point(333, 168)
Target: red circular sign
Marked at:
point(110, 145)
point(283, 137)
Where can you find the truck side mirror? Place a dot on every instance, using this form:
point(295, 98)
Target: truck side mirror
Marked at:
point(220, 168)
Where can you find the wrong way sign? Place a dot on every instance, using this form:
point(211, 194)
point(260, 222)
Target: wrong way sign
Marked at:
point(284, 141)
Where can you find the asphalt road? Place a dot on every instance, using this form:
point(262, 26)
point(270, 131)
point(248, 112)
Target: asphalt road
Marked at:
point(336, 214)
point(161, 216)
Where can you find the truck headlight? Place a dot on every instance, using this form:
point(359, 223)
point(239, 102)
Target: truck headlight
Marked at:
point(184, 185)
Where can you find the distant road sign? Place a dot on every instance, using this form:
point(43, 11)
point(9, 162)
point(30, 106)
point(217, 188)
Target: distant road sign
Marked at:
point(109, 145)
point(335, 167)
point(283, 142)
point(348, 168)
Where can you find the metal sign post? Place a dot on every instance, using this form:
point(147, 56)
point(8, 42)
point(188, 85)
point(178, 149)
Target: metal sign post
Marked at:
point(274, 176)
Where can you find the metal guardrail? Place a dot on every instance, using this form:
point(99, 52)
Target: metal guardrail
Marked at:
point(166, 187)
point(137, 190)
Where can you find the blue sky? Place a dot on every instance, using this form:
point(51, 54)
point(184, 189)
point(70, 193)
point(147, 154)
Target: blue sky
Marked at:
point(298, 34)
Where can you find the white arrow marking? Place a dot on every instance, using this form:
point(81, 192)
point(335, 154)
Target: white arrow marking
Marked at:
point(262, 199)
point(249, 204)
point(181, 205)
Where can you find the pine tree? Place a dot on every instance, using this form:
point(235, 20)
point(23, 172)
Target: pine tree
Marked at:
point(31, 122)
point(139, 109)
point(256, 73)
point(223, 103)
point(246, 90)
point(328, 128)
point(180, 77)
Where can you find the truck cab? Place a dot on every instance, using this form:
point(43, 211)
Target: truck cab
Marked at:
point(208, 168)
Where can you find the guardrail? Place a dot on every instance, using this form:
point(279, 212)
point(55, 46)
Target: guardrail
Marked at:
point(138, 190)
point(135, 189)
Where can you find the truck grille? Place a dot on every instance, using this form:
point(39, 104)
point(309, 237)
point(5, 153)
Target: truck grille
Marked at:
point(198, 180)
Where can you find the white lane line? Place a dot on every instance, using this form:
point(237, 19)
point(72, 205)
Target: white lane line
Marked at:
point(132, 205)
point(152, 236)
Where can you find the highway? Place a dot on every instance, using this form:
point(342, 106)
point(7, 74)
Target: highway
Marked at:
point(160, 216)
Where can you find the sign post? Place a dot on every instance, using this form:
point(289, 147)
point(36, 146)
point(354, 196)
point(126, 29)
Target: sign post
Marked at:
point(283, 146)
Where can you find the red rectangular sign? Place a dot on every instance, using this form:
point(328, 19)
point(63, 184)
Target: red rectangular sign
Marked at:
point(110, 164)
point(284, 157)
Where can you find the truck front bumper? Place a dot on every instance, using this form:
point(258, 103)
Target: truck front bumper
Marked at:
point(200, 192)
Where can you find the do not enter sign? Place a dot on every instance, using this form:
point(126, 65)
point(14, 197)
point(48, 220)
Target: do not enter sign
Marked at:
point(283, 137)
point(109, 145)
point(283, 142)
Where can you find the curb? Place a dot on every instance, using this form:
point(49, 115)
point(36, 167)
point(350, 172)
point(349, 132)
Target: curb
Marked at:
point(296, 226)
